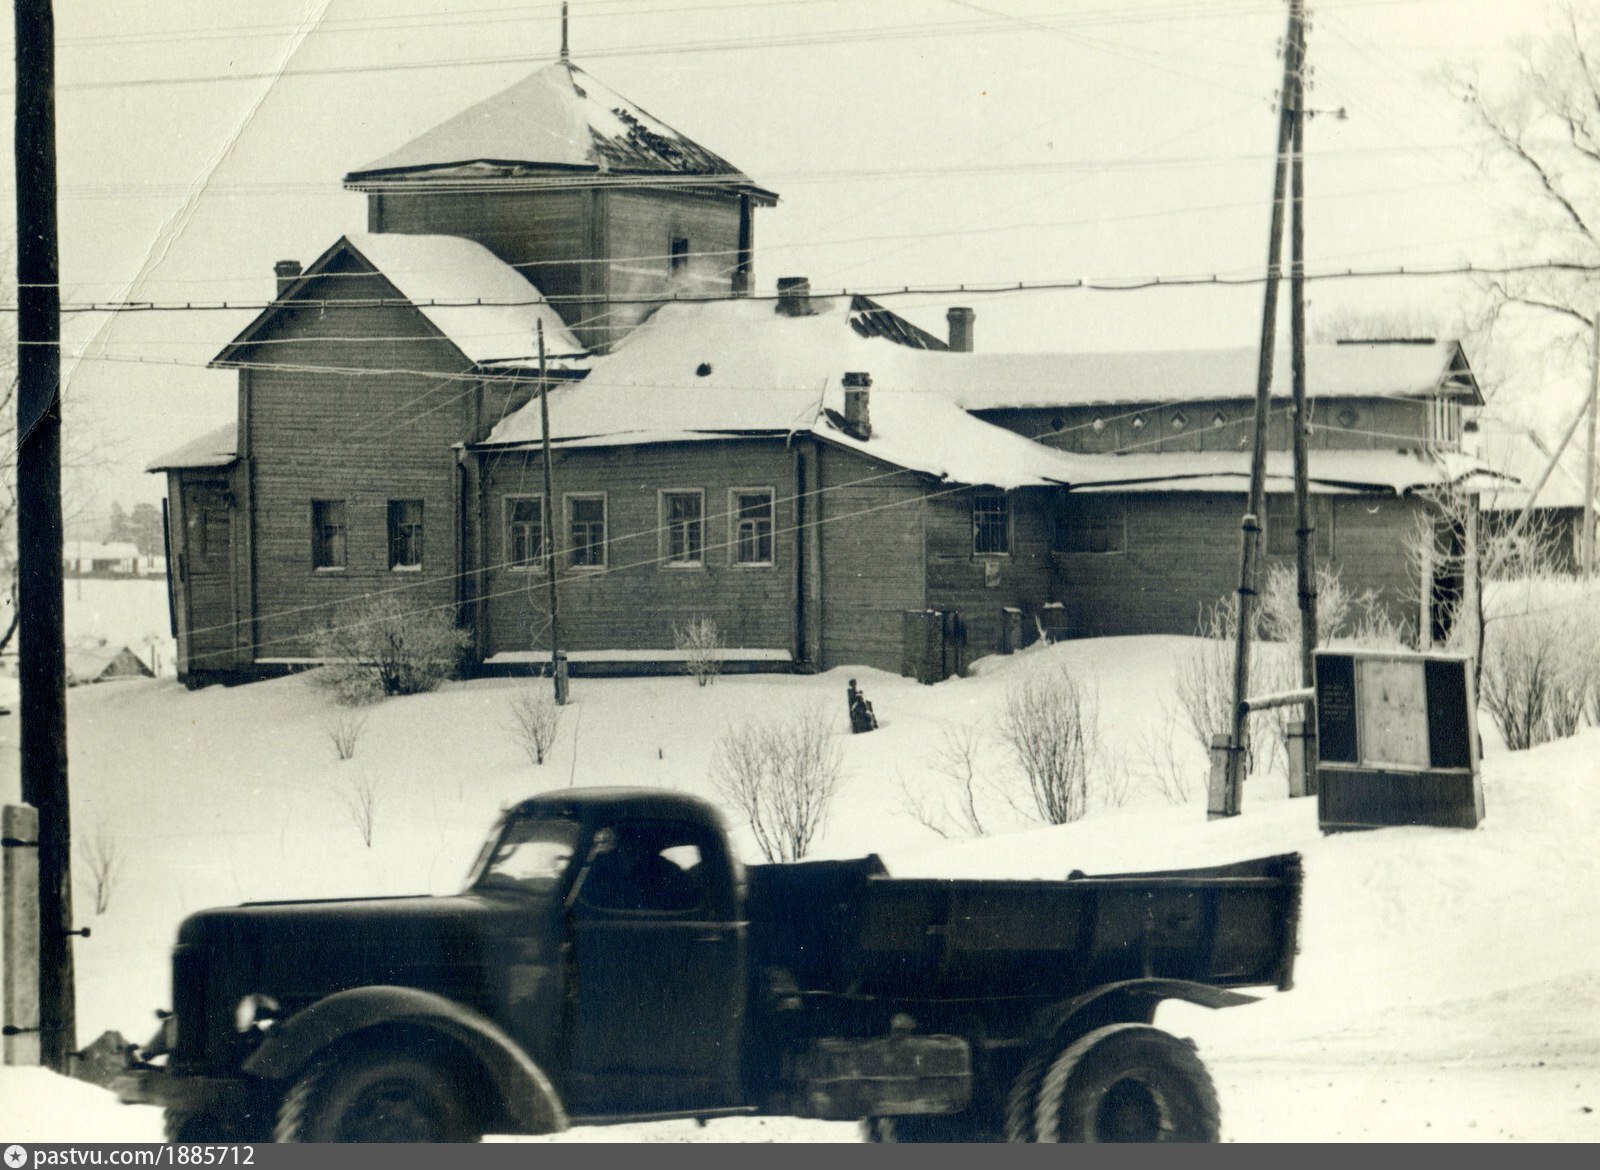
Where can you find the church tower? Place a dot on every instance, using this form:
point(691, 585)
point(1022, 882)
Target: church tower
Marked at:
point(602, 206)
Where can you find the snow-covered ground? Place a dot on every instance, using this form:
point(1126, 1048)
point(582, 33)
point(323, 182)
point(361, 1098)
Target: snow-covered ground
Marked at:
point(1448, 986)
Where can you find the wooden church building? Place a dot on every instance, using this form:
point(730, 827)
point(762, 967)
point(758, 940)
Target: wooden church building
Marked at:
point(828, 482)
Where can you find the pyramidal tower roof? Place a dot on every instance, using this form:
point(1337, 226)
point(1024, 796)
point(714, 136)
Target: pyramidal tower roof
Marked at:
point(558, 119)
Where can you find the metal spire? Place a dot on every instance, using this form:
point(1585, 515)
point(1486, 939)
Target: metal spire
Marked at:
point(563, 30)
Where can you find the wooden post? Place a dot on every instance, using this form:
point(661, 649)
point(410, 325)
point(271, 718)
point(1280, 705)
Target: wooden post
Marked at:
point(1586, 538)
point(558, 661)
point(19, 903)
point(1222, 799)
point(1305, 525)
point(1301, 766)
point(40, 595)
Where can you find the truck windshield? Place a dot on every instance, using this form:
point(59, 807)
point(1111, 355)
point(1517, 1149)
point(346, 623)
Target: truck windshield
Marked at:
point(531, 855)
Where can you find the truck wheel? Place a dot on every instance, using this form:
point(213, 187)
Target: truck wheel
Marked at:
point(1024, 1098)
point(1128, 1083)
point(183, 1126)
point(922, 1128)
point(376, 1096)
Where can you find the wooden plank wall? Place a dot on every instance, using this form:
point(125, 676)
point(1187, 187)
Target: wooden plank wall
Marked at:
point(958, 580)
point(634, 604)
point(639, 228)
point(362, 439)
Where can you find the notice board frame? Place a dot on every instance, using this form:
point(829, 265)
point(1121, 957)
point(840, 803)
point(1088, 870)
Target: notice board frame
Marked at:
point(1358, 790)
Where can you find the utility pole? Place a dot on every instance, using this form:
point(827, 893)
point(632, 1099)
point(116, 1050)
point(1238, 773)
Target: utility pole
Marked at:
point(1305, 523)
point(1250, 526)
point(558, 666)
point(40, 596)
point(1586, 538)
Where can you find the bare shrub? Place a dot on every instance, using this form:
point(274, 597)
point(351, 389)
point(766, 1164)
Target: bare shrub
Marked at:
point(781, 775)
point(535, 718)
point(1051, 725)
point(950, 807)
point(102, 863)
point(1160, 765)
point(344, 728)
point(361, 803)
point(702, 643)
point(376, 647)
point(1536, 675)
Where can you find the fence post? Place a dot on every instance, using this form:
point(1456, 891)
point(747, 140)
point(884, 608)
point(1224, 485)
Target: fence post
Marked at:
point(19, 889)
point(1295, 745)
point(1218, 789)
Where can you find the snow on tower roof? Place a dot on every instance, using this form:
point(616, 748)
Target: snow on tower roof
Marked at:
point(559, 117)
point(215, 448)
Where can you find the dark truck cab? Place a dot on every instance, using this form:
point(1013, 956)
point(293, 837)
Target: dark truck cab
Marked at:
point(610, 961)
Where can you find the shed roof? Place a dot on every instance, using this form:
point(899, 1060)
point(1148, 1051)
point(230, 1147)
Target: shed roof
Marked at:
point(1330, 472)
point(483, 306)
point(557, 118)
point(1522, 453)
point(215, 448)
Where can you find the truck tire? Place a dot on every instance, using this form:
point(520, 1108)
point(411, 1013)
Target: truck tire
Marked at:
point(184, 1126)
point(1024, 1098)
point(1127, 1083)
point(923, 1128)
point(376, 1096)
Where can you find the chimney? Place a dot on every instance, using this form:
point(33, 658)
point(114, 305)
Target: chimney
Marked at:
point(961, 320)
point(794, 296)
point(857, 416)
point(287, 272)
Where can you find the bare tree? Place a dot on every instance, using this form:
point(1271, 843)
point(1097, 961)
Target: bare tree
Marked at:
point(384, 645)
point(1052, 727)
point(535, 718)
point(102, 863)
point(361, 803)
point(950, 806)
point(344, 727)
point(781, 776)
point(1161, 766)
point(701, 643)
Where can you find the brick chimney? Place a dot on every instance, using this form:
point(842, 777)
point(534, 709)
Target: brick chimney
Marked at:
point(857, 415)
point(794, 296)
point(961, 320)
point(287, 272)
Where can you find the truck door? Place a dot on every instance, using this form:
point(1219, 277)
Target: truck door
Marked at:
point(656, 986)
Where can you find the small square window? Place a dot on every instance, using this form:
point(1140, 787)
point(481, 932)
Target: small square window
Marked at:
point(678, 256)
point(683, 528)
point(524, 532)
point(1179, 421)
point(752, 536)
point(586, 532)
point(1138, 422)
point(328, 534)
point(991, 524)
point(405, 534)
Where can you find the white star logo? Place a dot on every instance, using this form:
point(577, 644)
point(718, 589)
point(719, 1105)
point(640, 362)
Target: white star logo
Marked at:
point(15, 1157)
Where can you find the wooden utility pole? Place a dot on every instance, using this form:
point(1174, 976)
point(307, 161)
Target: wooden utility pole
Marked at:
point(1305, 522)
point(40, 599)
point(557, 665)
point(1586, 539)
point(1250, 542)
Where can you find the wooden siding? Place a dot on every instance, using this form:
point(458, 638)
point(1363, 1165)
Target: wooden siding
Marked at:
point(1181, 554)
point(962, 581)
point(640, 226)
point(871, 553)
point(1379, 424)
point(635, 602)
point(363, 439)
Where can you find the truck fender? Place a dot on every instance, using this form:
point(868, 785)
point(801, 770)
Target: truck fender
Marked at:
point(526, 1094)
point(1131, 1000)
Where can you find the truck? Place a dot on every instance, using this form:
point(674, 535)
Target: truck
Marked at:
point(610, 961)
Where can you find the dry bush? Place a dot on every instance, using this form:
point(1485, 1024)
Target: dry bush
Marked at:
point(344, 728)
point(102, 863)
point(702, 642)
point(781, 776)
point(1538, 673)
point(535, 718)
point(1160, 764)
point(376, 647)
point(1051, 725)
point(950, 807)
point(361, 803)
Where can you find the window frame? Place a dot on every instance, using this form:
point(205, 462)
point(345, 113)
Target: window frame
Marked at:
point(420, 535)
point(677, 258)
point(343, 563)
point(734, 522)
point(664, 529)
point(567, 500)
point(538, 561)
point(1103, 518)
point(1005, 500)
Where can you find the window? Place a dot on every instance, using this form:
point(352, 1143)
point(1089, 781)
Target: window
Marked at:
point(1091, 528)
point(752, 531)
point(532, 856)
point(991, 524)
point(648, 867)
point(678, 256)
point(586, 532)
point(405, 534)
point(1282, 540)
point(524, 532)
point(683, 529)
point(327, 534)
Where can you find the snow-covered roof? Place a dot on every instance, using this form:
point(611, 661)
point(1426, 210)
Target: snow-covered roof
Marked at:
point(558, 117)
point(215, 448)
point(99, 550)
point(1330, 472)
point(483, 306)
point(1523, 454)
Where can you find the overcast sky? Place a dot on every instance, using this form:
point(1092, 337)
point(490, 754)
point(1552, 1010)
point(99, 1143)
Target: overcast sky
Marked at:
point(912, 142)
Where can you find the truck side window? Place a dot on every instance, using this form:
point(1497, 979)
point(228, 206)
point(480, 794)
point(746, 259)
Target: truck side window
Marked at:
point(653, 868)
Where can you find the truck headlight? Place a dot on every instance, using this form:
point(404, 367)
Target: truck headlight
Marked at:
point(255, 1010)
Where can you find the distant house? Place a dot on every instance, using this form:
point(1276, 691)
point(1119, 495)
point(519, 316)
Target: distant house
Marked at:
point(826, 480)
point(1522, 455)
point(94, 558)
point(103, 663)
